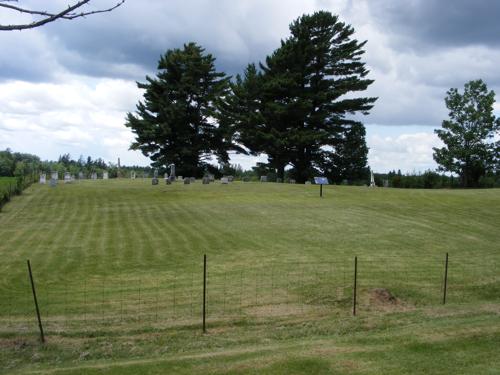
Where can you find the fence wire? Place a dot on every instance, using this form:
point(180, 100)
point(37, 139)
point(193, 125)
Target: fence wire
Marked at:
point(100, 303)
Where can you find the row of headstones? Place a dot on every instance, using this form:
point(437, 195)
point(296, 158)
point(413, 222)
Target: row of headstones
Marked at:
point(68, 177)
point(278, 180)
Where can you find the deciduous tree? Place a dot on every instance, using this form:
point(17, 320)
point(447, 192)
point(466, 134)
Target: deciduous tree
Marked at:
point(468, 135)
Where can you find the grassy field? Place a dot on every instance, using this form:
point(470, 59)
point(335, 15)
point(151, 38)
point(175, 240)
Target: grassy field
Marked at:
point(119, 264)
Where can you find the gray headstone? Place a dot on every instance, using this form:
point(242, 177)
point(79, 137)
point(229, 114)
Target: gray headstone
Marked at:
point(187, 181)
point(172, 171)
point(211, 177)
point(105, 175)
point(230, 178)
point(263, 178)
point(193, 180)
point(245, 179)
point(292, 181)
point(55, 176)
point(206, 180)
point(93, 176)
point(168, 182)
point(279, 180)
point(43, 178)
point(67, 177)
point(53, 182)
point(154, 181)
point(224, 181)
point(132, 175)
point(80, 175)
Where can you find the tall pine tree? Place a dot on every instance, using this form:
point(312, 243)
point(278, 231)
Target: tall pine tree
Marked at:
point(304, 106)
point(174, 123)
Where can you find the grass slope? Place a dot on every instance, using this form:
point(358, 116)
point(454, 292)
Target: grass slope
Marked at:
point(118, 269)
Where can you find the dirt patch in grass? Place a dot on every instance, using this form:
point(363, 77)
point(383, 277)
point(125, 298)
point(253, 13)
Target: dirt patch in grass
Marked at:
point(382, 296)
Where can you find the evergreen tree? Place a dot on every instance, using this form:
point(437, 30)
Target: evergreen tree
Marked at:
point(350, 157)
point(468, 135)
point(175, 122)
point(302, 105)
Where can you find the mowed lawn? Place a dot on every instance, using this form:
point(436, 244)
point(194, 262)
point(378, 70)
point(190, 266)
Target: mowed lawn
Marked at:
point(118, 267)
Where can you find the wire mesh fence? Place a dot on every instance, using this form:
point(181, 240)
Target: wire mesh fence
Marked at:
point(160, 299)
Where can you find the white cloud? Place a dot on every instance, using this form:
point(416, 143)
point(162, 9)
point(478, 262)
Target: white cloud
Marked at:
point(409, 152)
point(77, 117)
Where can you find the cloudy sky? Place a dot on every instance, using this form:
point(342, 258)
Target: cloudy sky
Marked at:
point(66, 87)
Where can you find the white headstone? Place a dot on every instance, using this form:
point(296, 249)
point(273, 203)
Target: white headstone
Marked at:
point(224, 180)
point(263, 178)
point(80, 175)
point(132, 175)
point(372, 180)
point(105, 175)
point(55, 176)
point(67, 177)
point(43, 178)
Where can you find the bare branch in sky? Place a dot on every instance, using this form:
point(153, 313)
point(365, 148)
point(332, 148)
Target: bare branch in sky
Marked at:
point(70, 13)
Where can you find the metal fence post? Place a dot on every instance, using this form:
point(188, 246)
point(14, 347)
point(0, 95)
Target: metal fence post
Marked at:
point(204, 291)
point(355, 285)
point(445, 278)
point(42, 337)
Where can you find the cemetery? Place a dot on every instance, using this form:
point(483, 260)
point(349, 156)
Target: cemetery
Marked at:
point(261, 267)
point(155, 254)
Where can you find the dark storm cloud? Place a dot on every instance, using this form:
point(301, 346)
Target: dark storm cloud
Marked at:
point(129, 41)
point(441, 23)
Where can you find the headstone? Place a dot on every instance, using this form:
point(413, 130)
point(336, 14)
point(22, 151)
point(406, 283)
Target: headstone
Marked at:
point(93, 176)
point(245, 179)
point(43, 178)
point(154, 181)
point(132, 175)
point(292, 181)
point(206, 180)
point(105, 175)
point(224, 180)
point(279, 180)
point(55, 176)
point(307, 183)
point(372, 180)
point(155, 173)
point(165, 176)
point(193, 180)
point(168, 181)
point(180, 178)
point(263, 178)
point(53, 182)
point(172, 172)
point(67, 177)
point(187, 181)
point(230, 178)
point(80, 175)
point(386, 183)
point(211, 177)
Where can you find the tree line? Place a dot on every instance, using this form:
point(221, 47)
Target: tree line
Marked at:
point(300, 107)
point(297, 106)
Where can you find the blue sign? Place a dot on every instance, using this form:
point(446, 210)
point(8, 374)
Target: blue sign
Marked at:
point(321, 181)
